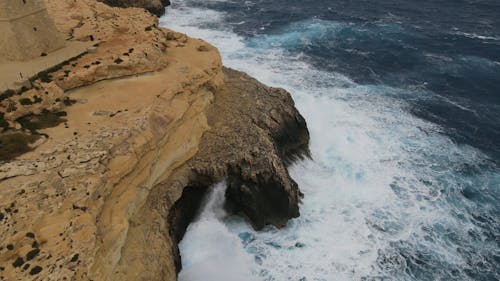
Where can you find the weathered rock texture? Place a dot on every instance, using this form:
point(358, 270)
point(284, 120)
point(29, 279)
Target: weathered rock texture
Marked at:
point(255, 131)
point(127, 42)
point(107, 194)
point(156, 7)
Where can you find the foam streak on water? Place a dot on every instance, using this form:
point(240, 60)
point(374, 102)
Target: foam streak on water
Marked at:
point(384, 193)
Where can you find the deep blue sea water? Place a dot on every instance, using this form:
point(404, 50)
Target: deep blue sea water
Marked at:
point(402, 99)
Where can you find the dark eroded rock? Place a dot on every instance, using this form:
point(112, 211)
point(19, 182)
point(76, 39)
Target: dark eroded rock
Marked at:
point(18, 262)
point(156, 7)
point(256, 131)
point(32, 254)
point(35, 270)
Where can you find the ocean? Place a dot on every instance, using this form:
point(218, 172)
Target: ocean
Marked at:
point(402, 100)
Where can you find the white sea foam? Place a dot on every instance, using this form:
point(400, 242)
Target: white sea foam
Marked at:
point(372, 181)
point(476, 36)
point(204, 263)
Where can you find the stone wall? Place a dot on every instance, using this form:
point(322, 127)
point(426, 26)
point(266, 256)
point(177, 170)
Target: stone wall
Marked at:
point(26, 30)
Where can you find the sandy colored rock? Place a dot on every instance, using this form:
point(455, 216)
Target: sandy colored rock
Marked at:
point(77, 191)
point(108, 193)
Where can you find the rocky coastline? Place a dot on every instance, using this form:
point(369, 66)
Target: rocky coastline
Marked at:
point(122, 142)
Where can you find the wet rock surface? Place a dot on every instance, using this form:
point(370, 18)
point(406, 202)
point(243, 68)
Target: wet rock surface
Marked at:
point(256, 131)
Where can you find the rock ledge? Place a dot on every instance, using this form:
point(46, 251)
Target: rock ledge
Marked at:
point(146, 121)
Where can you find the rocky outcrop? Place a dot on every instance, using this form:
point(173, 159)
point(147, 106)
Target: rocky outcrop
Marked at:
point(107, 193)
point(255, 131)
point(156, 7)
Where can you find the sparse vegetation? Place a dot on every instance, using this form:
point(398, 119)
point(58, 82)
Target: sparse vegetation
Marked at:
point(37, 99)
point(67, 101)
point(25, 101)
point(3, 123)
point(46, 75)
point(41, 121)
point(7, 94)
point(11, 106)
point(15, 144)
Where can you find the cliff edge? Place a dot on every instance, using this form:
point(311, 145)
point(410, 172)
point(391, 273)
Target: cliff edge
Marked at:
point(106, 157)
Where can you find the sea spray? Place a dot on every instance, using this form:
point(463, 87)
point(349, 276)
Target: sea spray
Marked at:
point(209, 251)
point(389, 195)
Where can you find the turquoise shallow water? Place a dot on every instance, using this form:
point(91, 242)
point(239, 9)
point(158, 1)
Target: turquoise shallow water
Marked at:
point(400, 186)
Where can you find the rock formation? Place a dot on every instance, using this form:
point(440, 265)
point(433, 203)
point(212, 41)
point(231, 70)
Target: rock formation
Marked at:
point(126, 140)
point(156, 7)
point(255, 131)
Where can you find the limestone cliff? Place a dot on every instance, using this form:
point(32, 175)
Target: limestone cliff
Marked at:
point(150, 120)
